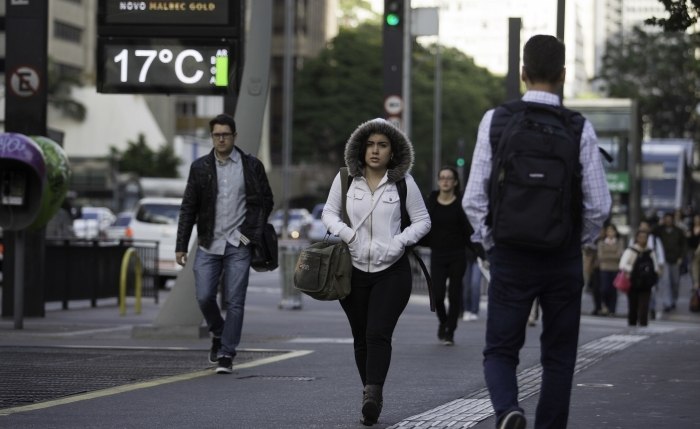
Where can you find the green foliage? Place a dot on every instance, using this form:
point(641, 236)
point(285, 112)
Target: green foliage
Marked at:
point(681, 15)
point(342, 88)
point(140, 159)
point(662, 72)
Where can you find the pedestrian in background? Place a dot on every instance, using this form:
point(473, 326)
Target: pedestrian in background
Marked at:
point(379, 158)
point(448, 238)
point(519, 275)
point(642, 278)
point(693, 244)
point(655, 245)
point(471, 282)
point(610, 250)
point(591, 274)
point(674, 241)
point(229, 198)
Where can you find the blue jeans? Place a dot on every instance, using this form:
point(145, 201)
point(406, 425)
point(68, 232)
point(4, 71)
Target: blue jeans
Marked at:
point(669, 285)
point(234, 264)
point(517, 278)
point(472, 287)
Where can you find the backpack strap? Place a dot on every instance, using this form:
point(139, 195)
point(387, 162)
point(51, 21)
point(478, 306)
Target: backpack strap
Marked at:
point(405, 222)
point(505, 112)
point(345, 180)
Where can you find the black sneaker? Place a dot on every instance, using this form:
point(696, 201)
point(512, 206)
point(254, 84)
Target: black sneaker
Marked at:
point(225, 365)
point(214, 351)
point(513, 420)
point(441, 331)
point(449, 339)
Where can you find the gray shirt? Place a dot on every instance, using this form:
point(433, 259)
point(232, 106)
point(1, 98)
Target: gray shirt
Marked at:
point(230, 204)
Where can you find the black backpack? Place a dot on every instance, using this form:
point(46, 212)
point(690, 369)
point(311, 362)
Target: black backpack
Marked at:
point(643, 276)
point(535, 197)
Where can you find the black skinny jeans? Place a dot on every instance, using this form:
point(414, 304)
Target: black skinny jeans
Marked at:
point(638, 301)
point(448, 264)
point(373, 308)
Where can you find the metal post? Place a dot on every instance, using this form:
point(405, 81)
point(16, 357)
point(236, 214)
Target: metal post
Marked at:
point(561, 20)
point(406, 81)
point(19, 280)
point(437, 114)
point(513, 77)
point(287, 108)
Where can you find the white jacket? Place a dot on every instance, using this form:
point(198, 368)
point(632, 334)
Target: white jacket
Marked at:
point(378, 242)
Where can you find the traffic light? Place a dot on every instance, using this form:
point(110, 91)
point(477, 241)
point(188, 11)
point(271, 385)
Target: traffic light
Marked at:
point(460, 162)
point(392, 59)
point(393, 12)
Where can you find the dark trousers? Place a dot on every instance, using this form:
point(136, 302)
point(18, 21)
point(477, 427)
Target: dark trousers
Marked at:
point(373, 308)
point(517, 278)
point(444, 265)
point(638, 307)
point(607, 290)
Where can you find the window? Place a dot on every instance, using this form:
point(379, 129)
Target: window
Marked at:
point(67, 32)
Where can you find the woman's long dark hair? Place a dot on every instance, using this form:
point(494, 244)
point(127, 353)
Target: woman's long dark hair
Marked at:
point(458, 186)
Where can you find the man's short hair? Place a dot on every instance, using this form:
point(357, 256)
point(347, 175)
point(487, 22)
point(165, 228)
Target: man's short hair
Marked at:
point(223, 119)
point(544, 58)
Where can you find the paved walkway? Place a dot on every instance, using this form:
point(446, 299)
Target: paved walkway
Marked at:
point(82, 368)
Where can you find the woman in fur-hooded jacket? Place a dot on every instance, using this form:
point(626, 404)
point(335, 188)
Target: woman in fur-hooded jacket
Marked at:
point(377, 155)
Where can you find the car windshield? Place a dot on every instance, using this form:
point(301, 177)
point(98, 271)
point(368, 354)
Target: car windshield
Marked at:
point(166, 214)
point(89, 216)
point(122, 221)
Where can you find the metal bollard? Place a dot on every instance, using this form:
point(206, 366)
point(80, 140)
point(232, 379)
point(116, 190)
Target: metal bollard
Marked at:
point(289, 253)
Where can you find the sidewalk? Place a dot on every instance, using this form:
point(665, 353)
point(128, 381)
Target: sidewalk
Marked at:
point(295, 370)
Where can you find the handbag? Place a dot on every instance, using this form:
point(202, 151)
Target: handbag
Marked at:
point(694, 305)
point(622, 282)
point(264, 255)
point(323, 270)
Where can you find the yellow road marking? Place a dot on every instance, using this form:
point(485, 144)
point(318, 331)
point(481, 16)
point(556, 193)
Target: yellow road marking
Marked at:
point(146, 384)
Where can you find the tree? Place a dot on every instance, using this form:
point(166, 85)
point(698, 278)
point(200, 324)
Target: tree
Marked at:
point(660, 70)
point(682, 14)
point(140, 159)
point(342, 87)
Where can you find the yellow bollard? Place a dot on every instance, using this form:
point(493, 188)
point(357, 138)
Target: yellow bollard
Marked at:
point(130, 252)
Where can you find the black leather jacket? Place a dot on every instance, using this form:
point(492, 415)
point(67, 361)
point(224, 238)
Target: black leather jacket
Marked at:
point(199, 202)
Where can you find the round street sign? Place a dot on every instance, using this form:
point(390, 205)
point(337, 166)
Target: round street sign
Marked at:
point(393, 104)
point(24, 82)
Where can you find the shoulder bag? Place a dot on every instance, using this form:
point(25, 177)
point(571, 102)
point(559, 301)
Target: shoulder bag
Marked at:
point(324, 269)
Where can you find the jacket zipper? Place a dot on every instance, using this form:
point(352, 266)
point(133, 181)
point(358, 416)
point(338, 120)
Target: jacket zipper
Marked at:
point(369, 249)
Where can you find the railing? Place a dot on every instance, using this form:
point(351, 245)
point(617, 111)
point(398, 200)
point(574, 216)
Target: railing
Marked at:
point(91, 269)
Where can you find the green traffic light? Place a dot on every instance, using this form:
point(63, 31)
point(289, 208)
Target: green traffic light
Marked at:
point(460, 162)
point(392, 19)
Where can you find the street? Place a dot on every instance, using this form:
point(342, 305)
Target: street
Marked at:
point(295, 369)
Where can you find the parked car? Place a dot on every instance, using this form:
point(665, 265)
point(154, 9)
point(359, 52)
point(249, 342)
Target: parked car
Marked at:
point(93, 222)
point(119, 229)
point(317, 230)
point(155, 218)
point(298, 220)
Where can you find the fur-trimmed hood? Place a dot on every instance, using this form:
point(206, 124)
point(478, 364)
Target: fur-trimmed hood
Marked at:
point(403, 156)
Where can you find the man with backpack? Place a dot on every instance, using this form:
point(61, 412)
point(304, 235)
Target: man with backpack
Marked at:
point(536, 194)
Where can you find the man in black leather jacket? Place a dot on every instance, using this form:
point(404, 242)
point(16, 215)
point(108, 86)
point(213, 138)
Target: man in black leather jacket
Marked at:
point(229, 198)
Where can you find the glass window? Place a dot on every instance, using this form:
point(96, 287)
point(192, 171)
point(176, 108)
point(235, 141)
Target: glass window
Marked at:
point(67, 32)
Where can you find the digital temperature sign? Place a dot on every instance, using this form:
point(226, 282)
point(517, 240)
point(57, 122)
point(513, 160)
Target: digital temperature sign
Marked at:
point(166, 66)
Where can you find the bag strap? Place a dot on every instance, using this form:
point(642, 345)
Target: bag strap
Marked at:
point(344, 179)
point(405, 222)
point(343, 192)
